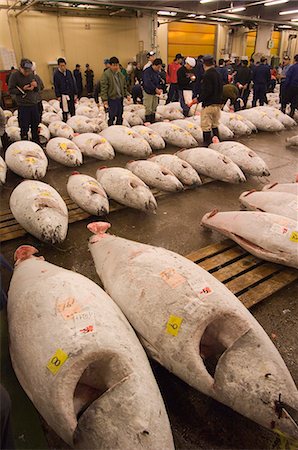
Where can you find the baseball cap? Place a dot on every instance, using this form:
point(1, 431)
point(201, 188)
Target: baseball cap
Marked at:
point(151, 53)
point(106, 61)
point(191, 61)
point(178, 56)
point(208, 58)
point(286, 57)
point(26, 64)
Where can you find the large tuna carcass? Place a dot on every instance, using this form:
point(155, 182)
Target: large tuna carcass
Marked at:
point(126, 188)
point(248, 161)
point(261, 120)
point(133, 118)
point(40, 210)
point(79, 124)
point(194, 129)
point(235, 123)
point(292, 188)
point(268, 236)
point(194, 326)
point(26, 159)
point(48, 118)
point(292, 141)
point(55, 104)
point(169, 112)
point(61, 129)
point(7, 114)
point(64, 151)
point(155, 176)
point(47, 107)
point(13, 133)
point(127, 141)
point(275, 113)
point(155, 141)
point(224, 132)
point(87, 111)
point(43, 133)
point(88, 193)
point(281, 203)
point(174, 135)
point(3, 170)
point(80, 362)
point(212, 164)
point(181, 169)
point(94, 145)
point(12, 121)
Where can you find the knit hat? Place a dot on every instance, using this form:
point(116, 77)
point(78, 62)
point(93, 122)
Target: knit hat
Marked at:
point(191, 61)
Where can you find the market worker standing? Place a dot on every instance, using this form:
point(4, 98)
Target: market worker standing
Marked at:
point(151, 58)
point(261, 77)
point(173, 95)
point(78, 77)
point(152, 85)
point(65, 89)
point(186, 78)
point(291, 86)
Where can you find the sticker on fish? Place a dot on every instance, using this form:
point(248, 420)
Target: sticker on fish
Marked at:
point(278, 229)
point(84, 323)
point(201, 290)
point(172, 278)
point(174, 324)
point(294, 236)
point(56, 361)
point(68, 308)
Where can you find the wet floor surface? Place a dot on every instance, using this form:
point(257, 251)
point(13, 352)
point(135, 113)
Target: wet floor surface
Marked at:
point(197, 421)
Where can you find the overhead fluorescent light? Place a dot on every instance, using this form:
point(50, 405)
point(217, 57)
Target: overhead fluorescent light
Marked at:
point(294, 20)
point(240, 8)
point(191, 15)
point(220, 19)
point(206, 1)
point(166, 13)
point(293, 11)
point(275, 2)
point(201, 16)
point(285, 26)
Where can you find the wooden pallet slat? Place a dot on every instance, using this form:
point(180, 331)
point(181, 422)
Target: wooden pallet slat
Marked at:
point(236, 268)
point(227, 255)
point(210, 250)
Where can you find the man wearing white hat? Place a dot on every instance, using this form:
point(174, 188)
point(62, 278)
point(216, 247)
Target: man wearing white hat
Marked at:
point(186, 78)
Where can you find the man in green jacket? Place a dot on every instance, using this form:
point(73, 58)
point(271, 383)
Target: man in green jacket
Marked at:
point(113, 90)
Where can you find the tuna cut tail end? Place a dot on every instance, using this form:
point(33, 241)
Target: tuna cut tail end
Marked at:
point(98, 227)
point(75, 173)
point(204, 221)
point(24, 252)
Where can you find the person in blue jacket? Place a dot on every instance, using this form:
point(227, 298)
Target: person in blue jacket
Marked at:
point(291, 86)
point(223, 71)
point(65, 89)
point(261, 78)
point(153, 86)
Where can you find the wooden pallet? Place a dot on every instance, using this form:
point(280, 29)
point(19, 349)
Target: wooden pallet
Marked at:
point(249, 278)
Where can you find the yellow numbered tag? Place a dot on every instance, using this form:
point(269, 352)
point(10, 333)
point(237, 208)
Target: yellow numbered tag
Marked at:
point(103, 140)
point(63, 146)
point(93, 183)
point(31, 160)
point(16, 152)
point(294, 236)
point(45, 194)
point(70, 152)
point(174, 324)
point(56, 361)
point(190, 125)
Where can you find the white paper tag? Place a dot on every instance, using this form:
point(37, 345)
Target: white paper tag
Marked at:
point(84, 323)
point(201, 288)
point(279, 229)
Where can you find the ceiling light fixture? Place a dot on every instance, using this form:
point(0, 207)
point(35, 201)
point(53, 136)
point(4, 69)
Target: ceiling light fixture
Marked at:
point(191, 15)
point(206, 1)
point(166, 13)
point(238, 9)
point(285, 27)
point(294, 20)
point(293, 11)
point(201, 16)
point(220, 19)
point(275, 2)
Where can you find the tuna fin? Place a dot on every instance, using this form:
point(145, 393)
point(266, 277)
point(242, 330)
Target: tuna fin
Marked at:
point(98, 227)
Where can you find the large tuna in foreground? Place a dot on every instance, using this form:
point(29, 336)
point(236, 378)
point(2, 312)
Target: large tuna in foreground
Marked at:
point(174, 135)
point(88, 194)
point(40, 210)
point(26, 159)
point(186, 319)
point(267, 236)
point(94, 145)
point(181, 169)
point(281, 203)
point(64, 151)
point(155, 175)
point(155, 141)
point(127, 141)
point(80, 362)
point(61, 129)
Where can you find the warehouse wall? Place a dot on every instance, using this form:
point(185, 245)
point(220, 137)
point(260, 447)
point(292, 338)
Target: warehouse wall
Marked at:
point(162, 41)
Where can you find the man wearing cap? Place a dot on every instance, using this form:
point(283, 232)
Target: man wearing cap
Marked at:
point(151, 58)
point(78, 77)
point(242, 80)
point(106, 63)
point(173, 95)
point(65, 89)
point(261, 77)
point(283, 95)
point(25, 89)
point(89, 75)
point(223, 71)
point(186, 78)
point(152, 85)
point(211, 98)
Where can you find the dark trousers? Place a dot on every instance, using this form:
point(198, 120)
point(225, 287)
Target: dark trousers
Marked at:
point(173, 95)
point(137, 92)
point(115, 111)
point(244, 96)
point(184, 106)
point(28, 116)
point(283, 96)
point(40, 110)
point(259, 94)
point(293, 99)
point(6, 438)
point(71, 108)
point(5, 141)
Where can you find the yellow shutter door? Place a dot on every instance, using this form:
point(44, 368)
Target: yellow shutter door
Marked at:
point(276, 39)
point(190, 39)
point(250, 43)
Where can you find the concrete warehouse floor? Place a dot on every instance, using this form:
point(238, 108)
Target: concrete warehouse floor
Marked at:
point(198, 422)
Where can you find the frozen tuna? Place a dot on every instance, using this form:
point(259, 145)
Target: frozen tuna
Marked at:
point(133, 118)
point(185, 319)
point(83, 110)
point(267, 236)
point(48, 118)
point(40, 210)
point(248, 161)
point(212, 164)
point(262, 120)
point(235, 123)
point(80, 362)
point(61, 129)
point(174, 135)
point(281, 203)
point(82, 124)
point(26, 159)
point(170, 112)
point(155, 141)
point(194, 129)
point(155, 175)
point(7, 113)
point(3, 170)
point(127, 141)
point(13, 133)
point(43, 133)
point(94, 145)
point(126, 188)
point(64, 151)
point(12, 122)
point(292, 188)
point(275, 113)
point(181, 169)
point(292, 141)
point(88, 193)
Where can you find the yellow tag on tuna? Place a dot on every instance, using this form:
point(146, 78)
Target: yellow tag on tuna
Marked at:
point(57, 361)
point(31, 160)
point(63, 146)
point(103, 140)
point(173, 325)
point(45, 194)
point(294, 236)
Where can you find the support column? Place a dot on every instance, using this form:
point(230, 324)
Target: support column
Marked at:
point(146, 31)
point(264, 34)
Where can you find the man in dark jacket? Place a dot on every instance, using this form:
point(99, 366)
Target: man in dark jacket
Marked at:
point(113, 89)
point(261, 77)
point(223, 71)
point(152, 85)
point(78, 77)
point(211, 98)
point(65, 89)
point(242, 80)
point(89, 75)
point(291, 86)
point(199, 72)
point(25, 89)
point(186, 78)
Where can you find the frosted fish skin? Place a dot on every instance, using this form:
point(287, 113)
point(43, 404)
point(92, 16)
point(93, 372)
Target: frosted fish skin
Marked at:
point(292, 141)
point(104, 394)
point(185, 317)
point(13, 133)
point(268, 236)
point(61, 129)
point(82, 124)
point(155, 175)
point(40, 210)
point(43, 133)
point(94, 145)
point(64, 151)
point(248, 161)
point(126, 188)
point(212, 164)
point(155, 141)
point(194, 129)
point(181, 169)
point(174, 135)
point(127, 141)
point(26, 159)
point(3, 170)
point(292, 188)
point(48, 118)
point(281, 203)
point(87, 192)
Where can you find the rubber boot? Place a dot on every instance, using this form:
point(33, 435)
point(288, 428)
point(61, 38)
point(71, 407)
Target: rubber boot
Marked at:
point(207, 140)
point(5, 141)
point(24, 137)
point(292, 112)
point(215, 132)
point(148, 118)
point(152, 118)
